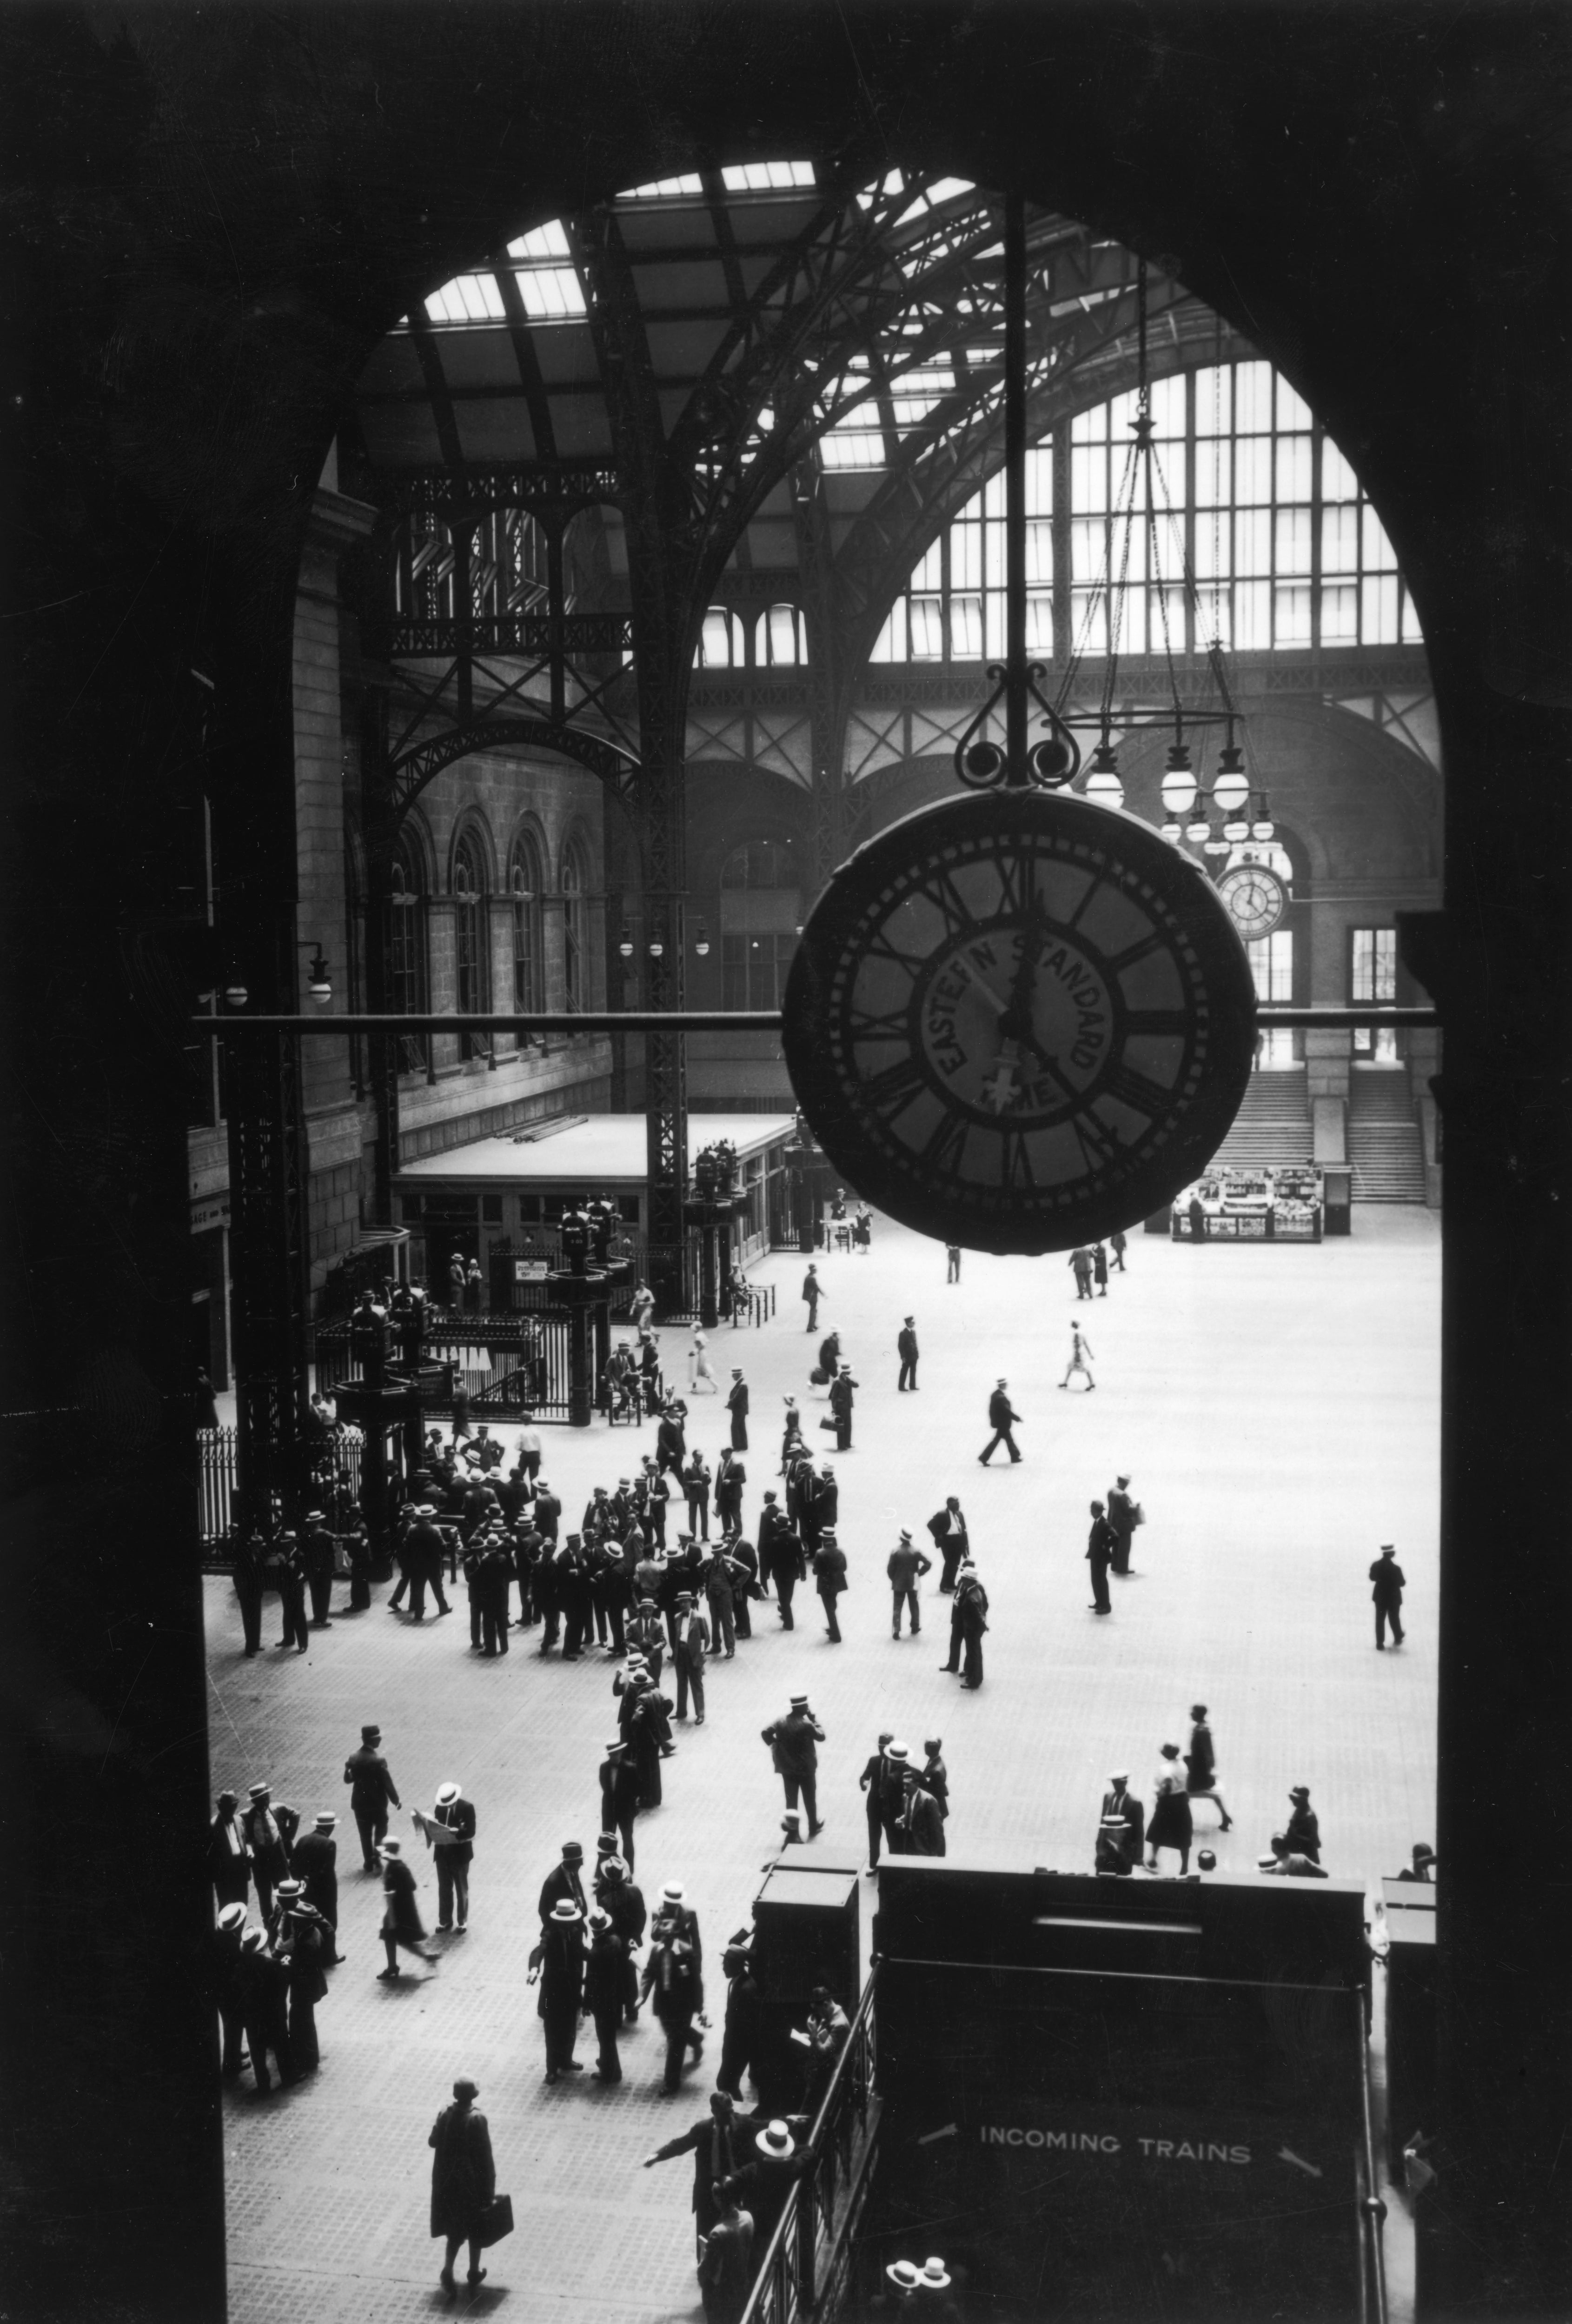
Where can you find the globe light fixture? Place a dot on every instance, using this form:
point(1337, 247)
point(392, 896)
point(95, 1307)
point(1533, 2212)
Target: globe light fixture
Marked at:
point(625, 942)
point(1102, 782)
point(1198, 829)
point(1173, 829)
point(1237, 829)
point(701, 942)
point(236, 995)
point(1178, 781)
point(656, 947)
point(1231, 791)
point(1263, 828)
point(318, 984)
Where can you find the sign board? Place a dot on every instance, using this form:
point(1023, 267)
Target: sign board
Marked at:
point(531, 1271)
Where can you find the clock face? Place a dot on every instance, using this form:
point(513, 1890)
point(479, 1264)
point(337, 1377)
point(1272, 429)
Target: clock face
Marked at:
point(1255, 898)
point(1018, 1020)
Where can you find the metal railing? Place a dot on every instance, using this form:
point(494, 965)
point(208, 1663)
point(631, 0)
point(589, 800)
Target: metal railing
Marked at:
point(335, 1479)
point(1372, 2209)
point(803, 2269)
point(752, 1304)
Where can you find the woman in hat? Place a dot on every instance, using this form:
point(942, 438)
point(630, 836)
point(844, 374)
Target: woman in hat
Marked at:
point(557, 1966)
point(463, 2180)
point(1171, 1825)
point(401, 1921)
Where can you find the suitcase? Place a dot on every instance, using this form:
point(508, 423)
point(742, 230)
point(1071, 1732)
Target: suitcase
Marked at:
point(498, 2221)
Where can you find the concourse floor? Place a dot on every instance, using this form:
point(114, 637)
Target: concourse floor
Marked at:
point(1277, 1410)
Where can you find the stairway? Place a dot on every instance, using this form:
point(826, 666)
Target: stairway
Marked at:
point(1383, 1138)
point(1274, 1123)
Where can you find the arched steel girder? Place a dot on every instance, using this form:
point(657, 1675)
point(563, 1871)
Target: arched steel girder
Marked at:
point(943, 472)
point(409, 774)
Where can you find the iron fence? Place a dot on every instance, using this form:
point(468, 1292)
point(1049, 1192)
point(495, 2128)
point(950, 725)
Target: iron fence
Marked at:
point(336, 1473)
point(806, 2266)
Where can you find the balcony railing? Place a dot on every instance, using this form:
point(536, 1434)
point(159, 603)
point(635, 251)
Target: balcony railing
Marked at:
point(803, 2269)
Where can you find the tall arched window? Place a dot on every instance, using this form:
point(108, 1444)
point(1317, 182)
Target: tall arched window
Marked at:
point(526, 883)
point(575, 925)
point(471, 940)
point(780, 638)
point(723, 641)
point(409, 982)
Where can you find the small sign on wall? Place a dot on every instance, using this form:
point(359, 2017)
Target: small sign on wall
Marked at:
point(531, 1271)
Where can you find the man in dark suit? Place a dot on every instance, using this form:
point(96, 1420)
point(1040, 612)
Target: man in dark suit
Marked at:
point(228, 1864)
point(313, 1860)
point(619, 1795)
point(670, 1443)
point(564, 1879)
point(971, 1605)
point(922, 1820)
point(1386, 1579)
point(1001, 1419)
point(842, 1399)
point(224, 1987)
point(872, 1782)
point(793, 1743)
point(373, 1793)
point(318, 1553)
point(830, 1579)
point(1122, 1520)
point(1100, 1549)
point(250, 1582)
point(695, 1484)
point(547, 1510)
point(721, 2144)
point(948, 1529)
point(450, 1831)
point(731, 1476)
point(824, 1501)
point(906, 1349)
point(268, 1831)
point(736, 1405)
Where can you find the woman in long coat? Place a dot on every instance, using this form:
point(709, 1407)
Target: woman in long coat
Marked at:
point(463, 2180)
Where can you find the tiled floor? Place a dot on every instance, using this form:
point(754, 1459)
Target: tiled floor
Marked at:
point(1277, 1409)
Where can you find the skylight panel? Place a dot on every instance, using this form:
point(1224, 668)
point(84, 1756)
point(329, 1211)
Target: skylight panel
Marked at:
point(542, 242)
point(551, 294)
point(467, 299)
point(767, 177)
point(945, 189)
point(853, 448)
point(664, 189)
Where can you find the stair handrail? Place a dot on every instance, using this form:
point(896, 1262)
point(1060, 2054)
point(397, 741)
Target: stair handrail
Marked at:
point(790, 2280)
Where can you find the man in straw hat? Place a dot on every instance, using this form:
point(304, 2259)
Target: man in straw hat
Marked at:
point(223, 1986)
point(605, 1967)
point(268, 1833)
point(450, 1831)
point(673, 1979)
point(793, 1743)
point(722, 2145)
point(557, 1966)
point(1122, 1822)
point(315, 1862)
point(765, 2184)
point(463, 2180)
point(906, 1566)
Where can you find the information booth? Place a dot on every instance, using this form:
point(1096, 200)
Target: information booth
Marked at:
point(1248, 1202)
point(1122, 2098)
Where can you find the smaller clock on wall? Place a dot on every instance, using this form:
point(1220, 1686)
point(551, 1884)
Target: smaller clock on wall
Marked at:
point(1255, 898)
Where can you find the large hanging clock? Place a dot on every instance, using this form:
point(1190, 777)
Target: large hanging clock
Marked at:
point(1256, 899)
point(1019, 1021)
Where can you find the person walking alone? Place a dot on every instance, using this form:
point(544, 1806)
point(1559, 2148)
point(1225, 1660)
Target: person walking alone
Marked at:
point(1386, 1580)
point(1080, 1349)
point(1081, 1260)
point(1170, 1824)
point(953, 1262)
point(736, 1405)
point(842, 1399)
point(1117, 1245)
point(812, 1291)
point(401, 1921)
point(906, 1349)
point(463, 2180)
point(1002, 1419)
point(1201, 1762)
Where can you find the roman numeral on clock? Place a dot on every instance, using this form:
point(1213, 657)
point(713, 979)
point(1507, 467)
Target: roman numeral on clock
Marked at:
point(1133, 1089)
point(1143, 949)
point(1157, 1020)
point(861, 1025)
point(1096, 1140)
point(892, 1090)
point(944, 1148)
point(1015, 1162)
point(941, 892)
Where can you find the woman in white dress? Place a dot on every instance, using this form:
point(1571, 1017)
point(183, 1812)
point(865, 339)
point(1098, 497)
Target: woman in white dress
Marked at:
point(699, 1372)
